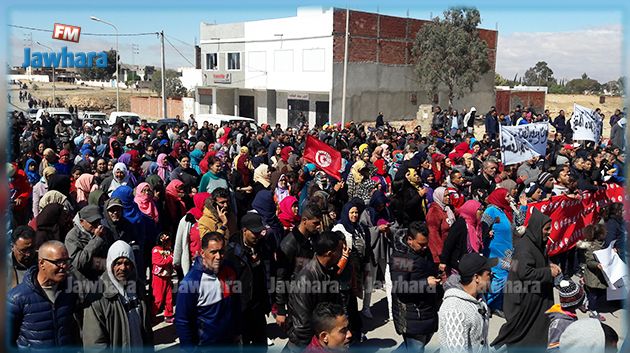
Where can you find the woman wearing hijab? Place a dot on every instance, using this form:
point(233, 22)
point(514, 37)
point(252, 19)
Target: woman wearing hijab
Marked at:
point(52, 223)
point(244, 166)
point(464, 236)
point(97, 198)
point(188, 242)
point(377, 154)
point(377, 219)
point(288, 214)
point(440, 217)
point(262, 178)
point(84, 186)
point(64, 165)
point(359, 183)
point(497, 225)
point(381, 178)
point(120, 176)
point(352, 268)
point(175, 206)
point(526, 323)
point(50, 157)
point(266, 207)
point(41, 188)
point(164, 168)
point(115, 150)
point(195, 158)
point(30, 168)
point(214, 178)
point(282, 188)
point(145, 202)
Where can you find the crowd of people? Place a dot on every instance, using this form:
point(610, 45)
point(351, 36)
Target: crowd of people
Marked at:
point(214, 228)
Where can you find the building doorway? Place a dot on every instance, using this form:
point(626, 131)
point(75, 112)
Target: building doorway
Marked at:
point(246, 106)
point(298, 112)
point(321, 113)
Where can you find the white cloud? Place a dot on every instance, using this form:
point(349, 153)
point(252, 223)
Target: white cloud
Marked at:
point(595, 51)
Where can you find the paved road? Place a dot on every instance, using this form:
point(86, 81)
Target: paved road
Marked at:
point(381, 334)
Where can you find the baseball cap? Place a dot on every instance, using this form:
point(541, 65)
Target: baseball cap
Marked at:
point(114, 202)
point(253, 222)
point(90, 213)
point(473, 263)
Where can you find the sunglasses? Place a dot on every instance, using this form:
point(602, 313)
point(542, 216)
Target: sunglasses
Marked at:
point(60, 263)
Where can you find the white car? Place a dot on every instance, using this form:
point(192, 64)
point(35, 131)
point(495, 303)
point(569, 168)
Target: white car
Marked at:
point(218, 119)
point(128, 117)
point(87, 115)
point(61, 113)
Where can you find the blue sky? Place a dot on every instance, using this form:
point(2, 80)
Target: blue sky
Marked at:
point(527, 33)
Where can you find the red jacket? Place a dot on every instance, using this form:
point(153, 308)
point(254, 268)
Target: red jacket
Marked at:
point(438, 230)
point(19, 188)
point(162, 264)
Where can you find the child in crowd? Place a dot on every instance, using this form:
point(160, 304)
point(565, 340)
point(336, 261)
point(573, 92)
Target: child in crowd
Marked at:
point(162, 260)
point(561, 315)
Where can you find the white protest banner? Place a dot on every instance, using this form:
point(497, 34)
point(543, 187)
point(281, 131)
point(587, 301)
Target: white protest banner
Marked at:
point(522, 142)
point(586, 124)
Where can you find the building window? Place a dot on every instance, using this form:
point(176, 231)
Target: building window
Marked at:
point(211, 61)
point(234, 61)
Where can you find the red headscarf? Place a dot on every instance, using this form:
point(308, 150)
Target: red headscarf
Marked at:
point(460, 150)
point(468, 211)
point(439, 173)
point(498, 198)
point(286, 216)
point(199, 200)
point(174, 204)
point(203, 165)
point(145, 202)
point(285, 152)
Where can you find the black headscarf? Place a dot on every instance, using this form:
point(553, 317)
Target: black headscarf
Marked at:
point(345, 217)
point(61, 183)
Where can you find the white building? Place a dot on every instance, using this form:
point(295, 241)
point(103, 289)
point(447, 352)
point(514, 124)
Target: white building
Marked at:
point(278, 70)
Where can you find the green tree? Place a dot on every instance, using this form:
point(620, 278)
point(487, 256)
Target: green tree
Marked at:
point(583, 85)
point(101, 73)
point(172, 83)
point(500, 80)
point(539, 75)
point(449, 52)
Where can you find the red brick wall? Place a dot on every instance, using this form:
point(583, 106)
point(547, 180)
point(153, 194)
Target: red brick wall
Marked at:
point(151, 107)
point(385, 39)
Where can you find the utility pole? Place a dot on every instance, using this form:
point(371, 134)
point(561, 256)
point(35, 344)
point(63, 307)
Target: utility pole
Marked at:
point(163, 74)
point(345, 70)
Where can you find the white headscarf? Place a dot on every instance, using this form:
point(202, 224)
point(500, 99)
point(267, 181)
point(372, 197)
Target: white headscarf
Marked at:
point(116, 182)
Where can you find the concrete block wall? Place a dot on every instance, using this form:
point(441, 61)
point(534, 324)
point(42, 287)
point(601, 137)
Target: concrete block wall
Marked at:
point(151, 107)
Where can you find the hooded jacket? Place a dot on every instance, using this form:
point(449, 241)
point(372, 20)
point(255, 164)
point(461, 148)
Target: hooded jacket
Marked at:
point(36, 322)
point(532, 289)
point(463, 323)
point(559, 321)
point(114, 313)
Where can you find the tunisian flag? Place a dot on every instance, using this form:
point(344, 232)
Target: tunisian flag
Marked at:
point(323, 156)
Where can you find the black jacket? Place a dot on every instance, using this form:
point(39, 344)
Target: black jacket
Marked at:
point(254, 294)
point(304, 298)
point(414, 303)
point(295, 251)
point(532, 290)
point(456, 244)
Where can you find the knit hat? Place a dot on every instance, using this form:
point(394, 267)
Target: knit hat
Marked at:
point(571, 293)
point(543, 178)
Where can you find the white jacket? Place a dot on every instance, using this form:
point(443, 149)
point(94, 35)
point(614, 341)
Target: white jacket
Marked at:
point(463, 323)
point(181, 251)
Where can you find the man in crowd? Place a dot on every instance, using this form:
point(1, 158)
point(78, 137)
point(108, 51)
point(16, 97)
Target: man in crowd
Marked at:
point(246, 254)
point(464, 316)
point(332, 331)
point(296, 249)
point(23, 253)
point(484, 183)
point(207, 311)
point(88, 242)
point(118, 317)
point(320, 272)
point(416, 288)
point(40, 309)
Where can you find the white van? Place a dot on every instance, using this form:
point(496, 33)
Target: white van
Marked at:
point(61, 113)
point(218, 119)
point(128, 117)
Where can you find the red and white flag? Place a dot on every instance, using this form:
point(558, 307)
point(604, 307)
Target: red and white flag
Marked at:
point(323, 156)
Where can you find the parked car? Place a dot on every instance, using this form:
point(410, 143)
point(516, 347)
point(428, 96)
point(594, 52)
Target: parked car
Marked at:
point(32, 113)
point(127, 117)
point(56, 113)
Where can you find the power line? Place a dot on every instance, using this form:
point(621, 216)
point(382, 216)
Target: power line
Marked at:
point(181, 41)
point(89, 34)
point(178, 52)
